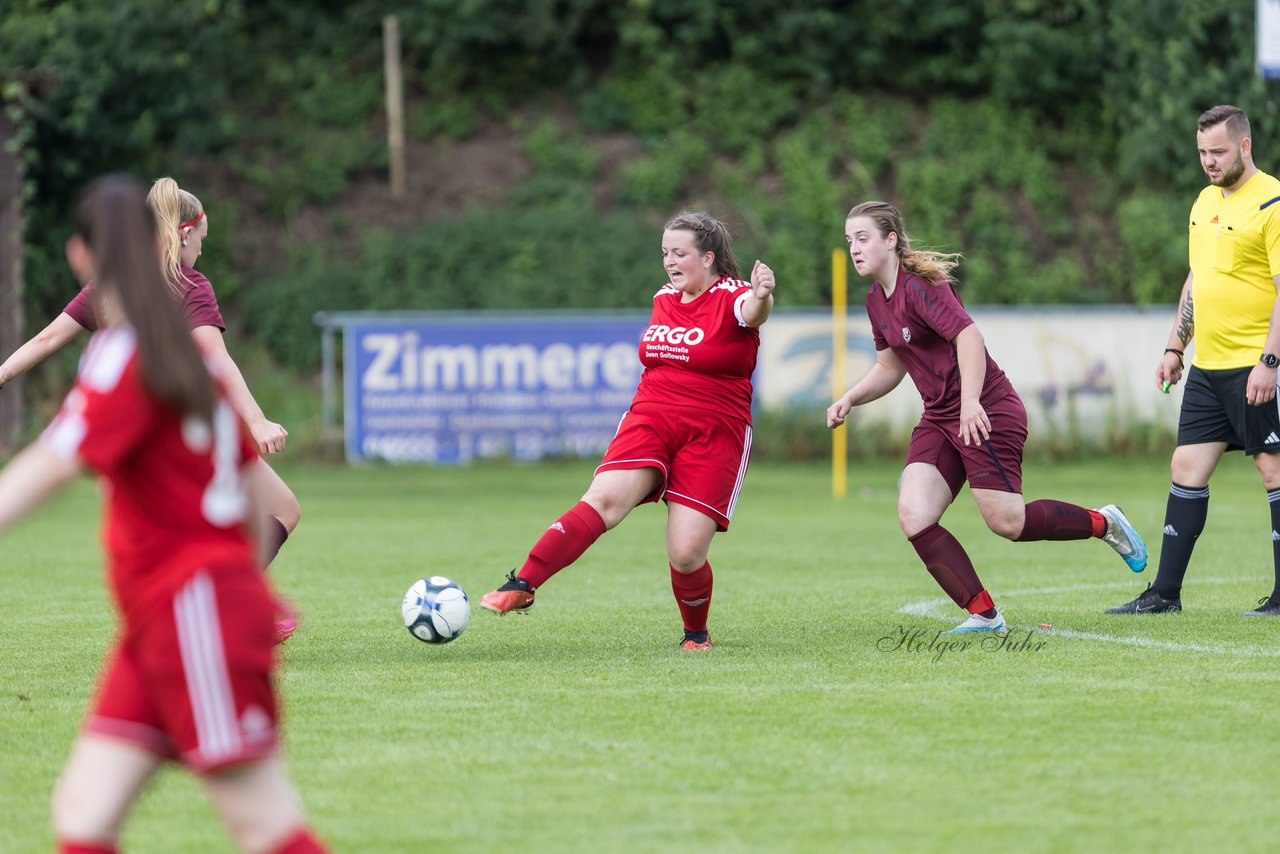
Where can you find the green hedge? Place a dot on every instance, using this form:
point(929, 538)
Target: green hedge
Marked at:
point(1052, 141)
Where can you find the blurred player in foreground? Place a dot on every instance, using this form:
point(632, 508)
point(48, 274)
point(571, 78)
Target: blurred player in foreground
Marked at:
point(183, 228)
point(189, 678)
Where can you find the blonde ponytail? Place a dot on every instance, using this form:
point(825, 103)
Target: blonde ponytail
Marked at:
point(172, 207)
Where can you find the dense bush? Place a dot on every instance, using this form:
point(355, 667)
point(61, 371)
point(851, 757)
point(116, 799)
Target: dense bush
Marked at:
point(1051, 141)
point(559, 255)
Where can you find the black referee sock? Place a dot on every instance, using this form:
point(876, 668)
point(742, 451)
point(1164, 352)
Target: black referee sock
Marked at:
point(1273, 496)
point(1184, 517)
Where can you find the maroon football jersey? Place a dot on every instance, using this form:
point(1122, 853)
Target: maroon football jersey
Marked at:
point(918, 322)
point(700, 353)
point(198, 301)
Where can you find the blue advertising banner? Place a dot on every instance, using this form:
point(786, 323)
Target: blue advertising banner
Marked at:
point(461, 388)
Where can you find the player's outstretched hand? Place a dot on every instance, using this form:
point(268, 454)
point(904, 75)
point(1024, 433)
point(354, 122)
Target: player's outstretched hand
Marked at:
point(836, 413)
point(762, 282)
point(270, 436)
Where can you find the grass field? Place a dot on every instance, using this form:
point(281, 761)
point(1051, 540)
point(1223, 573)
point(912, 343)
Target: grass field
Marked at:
point(582, 727)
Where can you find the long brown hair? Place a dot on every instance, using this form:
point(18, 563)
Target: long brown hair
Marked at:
point(934, 267)
point(173, 206)
point(709, 235)
point(115, 222)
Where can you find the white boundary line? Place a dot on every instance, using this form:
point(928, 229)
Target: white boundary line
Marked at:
point(934, 609)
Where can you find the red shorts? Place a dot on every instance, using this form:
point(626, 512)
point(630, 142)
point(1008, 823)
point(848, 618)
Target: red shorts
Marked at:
point(702, 455)
point(193, 683)
point(994, 464)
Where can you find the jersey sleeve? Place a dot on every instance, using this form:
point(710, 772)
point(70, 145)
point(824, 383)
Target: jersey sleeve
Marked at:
point(876, 338)
point(108, 413)
point(939, 308)
point(80, 309)
point(200, 302)
point(1271, 234)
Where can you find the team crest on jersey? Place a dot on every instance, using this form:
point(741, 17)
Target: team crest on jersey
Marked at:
point(906, 334)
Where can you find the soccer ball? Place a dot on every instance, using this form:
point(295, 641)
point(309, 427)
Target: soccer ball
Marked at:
point(435, 609)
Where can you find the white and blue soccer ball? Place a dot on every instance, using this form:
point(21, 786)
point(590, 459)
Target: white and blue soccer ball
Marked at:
point(436, 609)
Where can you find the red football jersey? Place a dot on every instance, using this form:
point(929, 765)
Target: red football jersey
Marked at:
point(199, 303)
point(700, 353)
point(175, 500)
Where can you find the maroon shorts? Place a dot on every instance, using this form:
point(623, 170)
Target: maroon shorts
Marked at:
point(701, 454)
point(995, 463)
point(193, 683)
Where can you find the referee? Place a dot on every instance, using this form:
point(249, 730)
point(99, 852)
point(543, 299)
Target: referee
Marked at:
point(1229, 305)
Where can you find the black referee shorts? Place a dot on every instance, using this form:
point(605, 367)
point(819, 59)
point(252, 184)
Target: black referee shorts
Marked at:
point(1214, 410)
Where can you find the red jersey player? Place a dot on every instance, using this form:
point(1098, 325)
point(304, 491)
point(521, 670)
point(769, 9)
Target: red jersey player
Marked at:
point(189, 678)
point(183, 228)
point(686, 439)
point(973, 427)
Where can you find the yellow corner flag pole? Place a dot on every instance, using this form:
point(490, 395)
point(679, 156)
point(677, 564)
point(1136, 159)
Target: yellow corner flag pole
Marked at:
point(839, 314)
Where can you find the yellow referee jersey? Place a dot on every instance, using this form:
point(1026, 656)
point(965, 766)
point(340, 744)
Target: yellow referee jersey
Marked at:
point(1234, 251)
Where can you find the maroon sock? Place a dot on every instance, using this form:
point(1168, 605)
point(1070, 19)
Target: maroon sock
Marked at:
point(562, 544)
point(1057, 520)
point(301, 842)
point(65, 847)
point(693, 595)
point(947, 562)
point(276, 534)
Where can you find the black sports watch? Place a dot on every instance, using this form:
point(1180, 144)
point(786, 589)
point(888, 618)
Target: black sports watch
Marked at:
point(1270, 360)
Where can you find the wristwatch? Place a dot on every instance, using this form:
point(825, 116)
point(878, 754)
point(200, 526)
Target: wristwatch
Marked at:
point(1270, 360)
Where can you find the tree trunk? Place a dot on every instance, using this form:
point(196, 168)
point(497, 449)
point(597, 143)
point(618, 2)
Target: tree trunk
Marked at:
point(12, 316)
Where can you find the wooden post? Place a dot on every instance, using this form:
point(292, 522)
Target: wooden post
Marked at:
point(395, 103)
point(12, 316)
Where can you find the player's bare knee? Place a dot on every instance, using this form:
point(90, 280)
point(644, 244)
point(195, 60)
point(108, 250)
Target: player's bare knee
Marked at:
point(687, 561)
point(611, 509)
point(288, 511)
point(912, 522)
point(77, 814)
point(1008, 527)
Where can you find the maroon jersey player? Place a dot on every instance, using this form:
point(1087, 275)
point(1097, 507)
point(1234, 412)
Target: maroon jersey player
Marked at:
point(199, 303)
point(686, 439)
point(189, 678)
point(973, 427)
point(183, 229)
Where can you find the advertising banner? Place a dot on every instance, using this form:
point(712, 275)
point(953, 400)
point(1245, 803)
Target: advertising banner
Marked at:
point(454, 389)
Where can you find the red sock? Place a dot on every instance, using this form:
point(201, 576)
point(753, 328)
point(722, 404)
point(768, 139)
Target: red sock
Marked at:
point(65, 847)
point(693, 595)
point(1057, 520)
point(562, 544)
point(980, 603)
point(949, 565)
point(301, 842)
point(276, 534)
